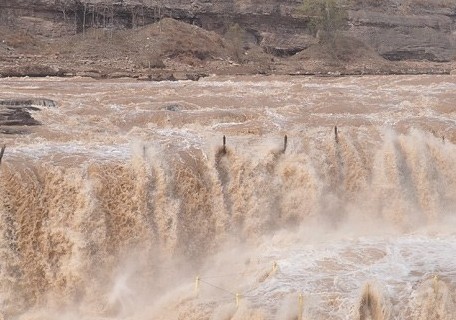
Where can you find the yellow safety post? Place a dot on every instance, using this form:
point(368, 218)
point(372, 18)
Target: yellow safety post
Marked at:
point(274, 266)
point(238, 296)
point(197, 281)
point(300, 306)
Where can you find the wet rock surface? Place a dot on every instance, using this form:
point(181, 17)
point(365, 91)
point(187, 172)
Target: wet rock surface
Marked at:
point(17, 113)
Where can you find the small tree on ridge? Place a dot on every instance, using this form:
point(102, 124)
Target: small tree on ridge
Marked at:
point(327, 17)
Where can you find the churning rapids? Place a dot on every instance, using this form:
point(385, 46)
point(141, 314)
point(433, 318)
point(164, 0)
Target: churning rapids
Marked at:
point(124, 205)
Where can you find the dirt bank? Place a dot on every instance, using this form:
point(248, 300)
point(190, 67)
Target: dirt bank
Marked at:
point(175, 50)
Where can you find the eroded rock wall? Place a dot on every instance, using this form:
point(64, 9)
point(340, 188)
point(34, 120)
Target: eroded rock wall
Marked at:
point(396, 29)
point(410, 29)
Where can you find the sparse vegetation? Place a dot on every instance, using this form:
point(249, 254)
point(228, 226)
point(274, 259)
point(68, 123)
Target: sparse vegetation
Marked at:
point(327, 17)
point(235, 38)
point(17, 39)
point(132, 37)
point(406, 4)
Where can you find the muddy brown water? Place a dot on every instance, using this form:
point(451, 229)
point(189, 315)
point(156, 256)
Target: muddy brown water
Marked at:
point(123, 196)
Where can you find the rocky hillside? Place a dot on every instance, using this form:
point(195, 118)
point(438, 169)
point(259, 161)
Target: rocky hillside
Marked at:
point(413, 29)
point(396, 30)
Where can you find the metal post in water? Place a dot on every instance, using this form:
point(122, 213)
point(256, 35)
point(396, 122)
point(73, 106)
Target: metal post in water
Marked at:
point(285, 142)
point(336, 134)
point(2, 152)
point(368, 295)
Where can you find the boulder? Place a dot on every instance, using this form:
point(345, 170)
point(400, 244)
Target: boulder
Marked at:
point(17, 112)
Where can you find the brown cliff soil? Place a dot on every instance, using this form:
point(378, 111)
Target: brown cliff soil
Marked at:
point(176, 50)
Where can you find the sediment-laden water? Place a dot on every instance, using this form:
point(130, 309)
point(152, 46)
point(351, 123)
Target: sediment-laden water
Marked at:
point(124, 204)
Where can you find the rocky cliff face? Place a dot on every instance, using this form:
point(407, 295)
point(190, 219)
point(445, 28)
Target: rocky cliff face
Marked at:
point(416, 32)
point(396, 29)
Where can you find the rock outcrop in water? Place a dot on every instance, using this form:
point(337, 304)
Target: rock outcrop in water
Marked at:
point(16, 113)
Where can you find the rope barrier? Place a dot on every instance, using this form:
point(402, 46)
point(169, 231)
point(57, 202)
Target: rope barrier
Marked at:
point(237, 296)
point(230, 275)
point(222, 300)
point(275, 267)
point(217, 287)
